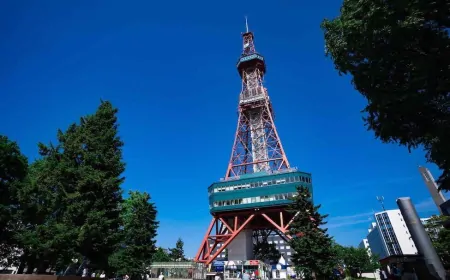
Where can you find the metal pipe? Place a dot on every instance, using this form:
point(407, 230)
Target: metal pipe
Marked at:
point(421, 238)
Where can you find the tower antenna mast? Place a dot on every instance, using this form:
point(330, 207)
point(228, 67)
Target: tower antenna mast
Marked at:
point(381, 200)
point(246, 24)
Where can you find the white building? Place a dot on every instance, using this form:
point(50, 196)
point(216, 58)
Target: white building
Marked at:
point(365, 245)
point(282, 246)
point(389, 235)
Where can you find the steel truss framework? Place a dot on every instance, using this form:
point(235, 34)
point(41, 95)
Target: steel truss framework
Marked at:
point(256, 134)
point(224, 228)
point(257, 146)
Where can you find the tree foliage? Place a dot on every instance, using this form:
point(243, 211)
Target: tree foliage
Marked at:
point(161, 255)
point(397, 53)
point(263, 250)
point(68, 204)
point(313, 247)
point(356, 260)
point(440, 237)
point(177, 253)
point(138, 236)
point(13, 171)
point(92, 159)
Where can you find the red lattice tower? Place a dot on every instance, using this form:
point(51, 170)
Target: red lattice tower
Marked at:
point(257, 149)
point(257, 146)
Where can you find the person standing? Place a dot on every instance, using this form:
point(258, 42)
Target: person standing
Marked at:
point(246, 276)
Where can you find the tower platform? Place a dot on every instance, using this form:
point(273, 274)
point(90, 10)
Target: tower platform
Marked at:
point(257, 190)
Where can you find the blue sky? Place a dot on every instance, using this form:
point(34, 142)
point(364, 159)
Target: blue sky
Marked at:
point(169, 66)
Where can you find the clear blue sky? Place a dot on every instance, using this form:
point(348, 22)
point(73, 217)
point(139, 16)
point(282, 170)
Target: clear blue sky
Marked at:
point(169, 66)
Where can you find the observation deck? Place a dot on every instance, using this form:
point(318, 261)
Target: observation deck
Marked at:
point(257, 190)
point(254, 60)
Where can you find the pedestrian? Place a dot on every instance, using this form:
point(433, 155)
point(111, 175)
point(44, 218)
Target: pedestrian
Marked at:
point(246, 276)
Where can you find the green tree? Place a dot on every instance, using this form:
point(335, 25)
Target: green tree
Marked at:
point(262, 249)
point(397, 55)
point(357, 260)
point(73, 201)
point(137, 248)
point(440, 237)
point(13, 171)
point(313, 247)
point(91, 169)
point(46, 238)
point(161, 255)
point(177, 253)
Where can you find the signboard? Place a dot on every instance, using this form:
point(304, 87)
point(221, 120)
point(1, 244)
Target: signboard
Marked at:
point(246, 58)
point(218, 263)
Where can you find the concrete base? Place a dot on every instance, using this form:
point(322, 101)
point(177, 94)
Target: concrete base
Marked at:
point(241, 248)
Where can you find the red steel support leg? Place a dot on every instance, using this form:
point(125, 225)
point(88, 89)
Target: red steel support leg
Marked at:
point(282, 229)
point(231, 238)
point(205, 243)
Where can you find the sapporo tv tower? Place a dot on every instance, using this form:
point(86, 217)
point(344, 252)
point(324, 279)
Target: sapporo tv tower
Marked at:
point(259, 182)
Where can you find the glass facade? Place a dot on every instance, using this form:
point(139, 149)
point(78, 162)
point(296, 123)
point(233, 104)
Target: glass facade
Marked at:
point(388, 234)
point(256, 199)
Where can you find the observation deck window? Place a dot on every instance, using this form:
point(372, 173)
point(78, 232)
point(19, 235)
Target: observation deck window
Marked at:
point(290, 179)
point(249, 200)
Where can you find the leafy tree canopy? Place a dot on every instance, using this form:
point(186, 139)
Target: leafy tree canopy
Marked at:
point(440, 237)
point(357, 260)
point(313, 247)
point(397, 53)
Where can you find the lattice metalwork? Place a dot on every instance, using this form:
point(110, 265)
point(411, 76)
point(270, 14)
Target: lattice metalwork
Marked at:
point(257, 146)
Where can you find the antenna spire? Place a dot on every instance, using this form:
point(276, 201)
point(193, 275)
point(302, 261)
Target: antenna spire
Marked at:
point(381, 200)
point(246, 24)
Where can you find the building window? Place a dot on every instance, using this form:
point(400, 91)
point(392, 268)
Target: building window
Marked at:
point(281, 241)
point(288, 247)
point(288, 253)
point(282, 247)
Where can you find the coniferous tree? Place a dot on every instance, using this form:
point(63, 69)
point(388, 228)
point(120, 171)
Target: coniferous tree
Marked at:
point(137, 248)
point(262, 249)
point(313, 247)
point(177, 253)
point(13, 171)
point(78, 180)
point(92, 160)
point(69, 203)
point(45, 237)
point(161, 255)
